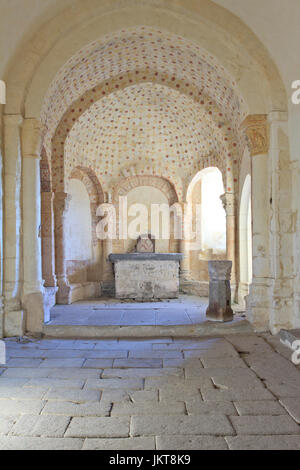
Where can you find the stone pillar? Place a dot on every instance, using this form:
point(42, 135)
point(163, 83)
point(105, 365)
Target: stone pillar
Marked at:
point(228, 201)
point(61, 204)
point(1, 227)
point(13, 315)
point(282, 225)
point(48, 264)
point(259, 299)
point(184, 245)
point(219, 308)
point(32, 257)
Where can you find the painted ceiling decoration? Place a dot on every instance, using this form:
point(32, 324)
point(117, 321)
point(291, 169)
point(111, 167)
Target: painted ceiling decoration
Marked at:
point(143, 95)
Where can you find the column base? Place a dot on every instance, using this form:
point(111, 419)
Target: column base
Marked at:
point(34, 307)
point(216, 312)
point(219, 308)
point(63, 295)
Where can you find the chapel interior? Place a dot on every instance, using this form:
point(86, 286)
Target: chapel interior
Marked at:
point(157, 109)
point(149, 224)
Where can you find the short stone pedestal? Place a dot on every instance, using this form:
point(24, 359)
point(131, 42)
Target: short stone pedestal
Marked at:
point(219, 308)
point(146, 276)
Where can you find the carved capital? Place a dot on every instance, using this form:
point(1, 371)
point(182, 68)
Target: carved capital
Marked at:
point(32, 132)
point(257, 131)
point(228, 201)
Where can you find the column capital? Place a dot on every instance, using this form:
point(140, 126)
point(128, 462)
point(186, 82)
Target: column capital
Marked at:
point(32, 131)
point(257, 132)
point(228, 201)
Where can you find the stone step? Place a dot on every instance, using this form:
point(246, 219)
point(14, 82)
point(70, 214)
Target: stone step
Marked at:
point(207, 328)
point(287, 337)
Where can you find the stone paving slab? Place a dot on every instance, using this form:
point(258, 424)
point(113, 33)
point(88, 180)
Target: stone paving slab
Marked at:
point(274, 442)
point(148, 408)
point(41, 426)
point(237, 394)
point(214, 393)
point(259, 408)
point(181, 425)
point(142, 372)
point(265, 425)
point(36, 443)
point(66, 408)
point(98, 427)
point(137, 363)
point(131, 443)
point(115, 383)
point(12, 407)
point(72, 395)
point(98, 363)
point(190, 443)
point(292, 406)
point(201, 408)
point(6, 423)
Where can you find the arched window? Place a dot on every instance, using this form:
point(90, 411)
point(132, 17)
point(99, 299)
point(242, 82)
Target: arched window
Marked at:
point(205, 191)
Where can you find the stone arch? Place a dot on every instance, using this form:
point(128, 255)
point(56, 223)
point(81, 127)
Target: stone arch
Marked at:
point(158, 182)
point(59, 45)
point(226, 138)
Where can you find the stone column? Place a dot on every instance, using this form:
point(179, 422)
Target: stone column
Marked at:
point(32, 257)
point(13, 315)
point(219, 308)
point(48, 265)
point(1, 226)
point(61, 204)
point(228, 201)
point(282, 225)
point(185, 246)
point(259, 299)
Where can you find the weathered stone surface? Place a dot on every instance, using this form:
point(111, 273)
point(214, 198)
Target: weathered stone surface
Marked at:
point(292, 406)
point(146, 275)
point(41, 426)
point(249, 425)
point(201, 408)
point(98, 427)
point(183, 425)
point(12, 407)
point(191, 443)
point(115, 383)
point(237, 394)
point(35, 443)
point(189, 406)
point(225, 362)
point(73, 395)
point(98, 363)
point(279, 442)
point(142, 372)
point(148, 408)
point(137, 363)
point(6, 423)
point(67, 408)
point(259, 408)
point(131, 443)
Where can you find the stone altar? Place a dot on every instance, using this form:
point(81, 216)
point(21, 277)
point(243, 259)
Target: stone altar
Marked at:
point(146, 276)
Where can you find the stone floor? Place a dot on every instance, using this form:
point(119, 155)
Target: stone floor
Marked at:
point(186, 310)
point(235, 392)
